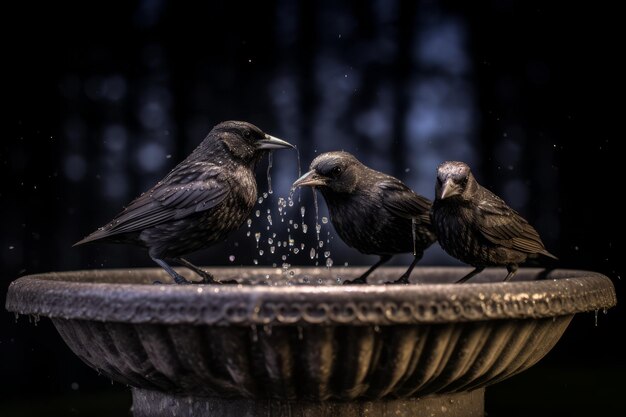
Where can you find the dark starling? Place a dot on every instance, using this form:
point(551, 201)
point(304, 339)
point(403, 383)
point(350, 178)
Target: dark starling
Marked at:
point(477, 227)
point(202, 200)
point(372, 212)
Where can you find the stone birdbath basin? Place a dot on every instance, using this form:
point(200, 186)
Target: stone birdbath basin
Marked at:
point(313, 348)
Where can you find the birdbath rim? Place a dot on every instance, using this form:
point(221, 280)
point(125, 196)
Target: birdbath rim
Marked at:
point(128, 295)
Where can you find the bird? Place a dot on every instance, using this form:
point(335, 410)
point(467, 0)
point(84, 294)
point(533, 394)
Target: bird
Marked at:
point(372, 212)
point(202, 200)
point(477, 227)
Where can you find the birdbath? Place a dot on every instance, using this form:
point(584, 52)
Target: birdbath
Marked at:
point(312, 348)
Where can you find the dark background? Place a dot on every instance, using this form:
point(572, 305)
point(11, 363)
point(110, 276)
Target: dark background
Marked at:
point(103, 99)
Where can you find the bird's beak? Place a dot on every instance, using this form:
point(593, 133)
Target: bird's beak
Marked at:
point(270, 142)
point(448, 190)
point(310, 179)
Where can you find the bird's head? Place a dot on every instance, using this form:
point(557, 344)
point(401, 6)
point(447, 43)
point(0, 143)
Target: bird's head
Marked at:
point(246, 142)
point(332, 171)
point(454, 179)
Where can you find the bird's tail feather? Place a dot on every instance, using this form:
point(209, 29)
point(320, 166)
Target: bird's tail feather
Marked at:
point(97, 235)
point(549, 255)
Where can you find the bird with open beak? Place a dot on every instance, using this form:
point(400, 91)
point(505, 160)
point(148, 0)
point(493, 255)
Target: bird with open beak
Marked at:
point(477, 227)
point(202, 200)
point(372, 212)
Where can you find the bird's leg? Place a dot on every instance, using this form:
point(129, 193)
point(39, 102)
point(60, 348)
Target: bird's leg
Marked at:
point(363, 278)
point(179, 279)
point(206, 277)
point(476, 271)
point(512, 268)
point(404, 279)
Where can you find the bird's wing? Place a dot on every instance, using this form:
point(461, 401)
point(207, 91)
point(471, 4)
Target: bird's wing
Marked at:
point(174, 198)
point(401, 201)
point(503, 226)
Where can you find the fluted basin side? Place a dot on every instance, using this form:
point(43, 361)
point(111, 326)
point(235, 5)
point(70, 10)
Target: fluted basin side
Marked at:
point(312, 362)
point(310, 342)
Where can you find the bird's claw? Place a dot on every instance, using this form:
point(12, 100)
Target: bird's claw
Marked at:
point(403, 280)
point(356, 281)
point(227, 282)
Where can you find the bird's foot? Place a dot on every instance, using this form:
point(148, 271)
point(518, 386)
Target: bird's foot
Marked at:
point(404, 280)
point(356, 281)
point(228, 282)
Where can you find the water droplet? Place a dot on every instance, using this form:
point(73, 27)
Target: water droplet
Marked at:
point(269, 219)
point(320, 243)
point(199, 290)
point(295, 225)
point(257, 236)
point(272, 249)
point(326, 254)
point(260, 200)
point(249, 222)
point(284, 257)
point(231, 258)
point(257, 213)
point(296, 250)
point(329, 262)
point(304, 227)
point(324, 219)
point(248, 233)
point(255, 261)
point(270, 240)
point(302, 210)
point(312, 253)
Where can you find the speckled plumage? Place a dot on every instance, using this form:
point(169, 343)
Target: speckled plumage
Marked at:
point(477, 227)
point(371, 211)
point(202, 200)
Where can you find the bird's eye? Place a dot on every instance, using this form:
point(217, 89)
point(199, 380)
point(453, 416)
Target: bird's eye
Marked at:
point(246, 134)
point(335, 171)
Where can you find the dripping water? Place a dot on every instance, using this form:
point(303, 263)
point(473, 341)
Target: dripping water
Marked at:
point(414, 232)
point(270, 162)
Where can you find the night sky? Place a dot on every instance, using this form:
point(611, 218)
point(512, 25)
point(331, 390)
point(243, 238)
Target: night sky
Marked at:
point(104, 99)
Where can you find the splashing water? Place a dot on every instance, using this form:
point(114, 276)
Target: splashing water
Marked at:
point(414, 232)
point(270, 162)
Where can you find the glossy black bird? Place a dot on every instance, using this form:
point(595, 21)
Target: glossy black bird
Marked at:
point(372, 212)
point(202, 200)
point(477, 227)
